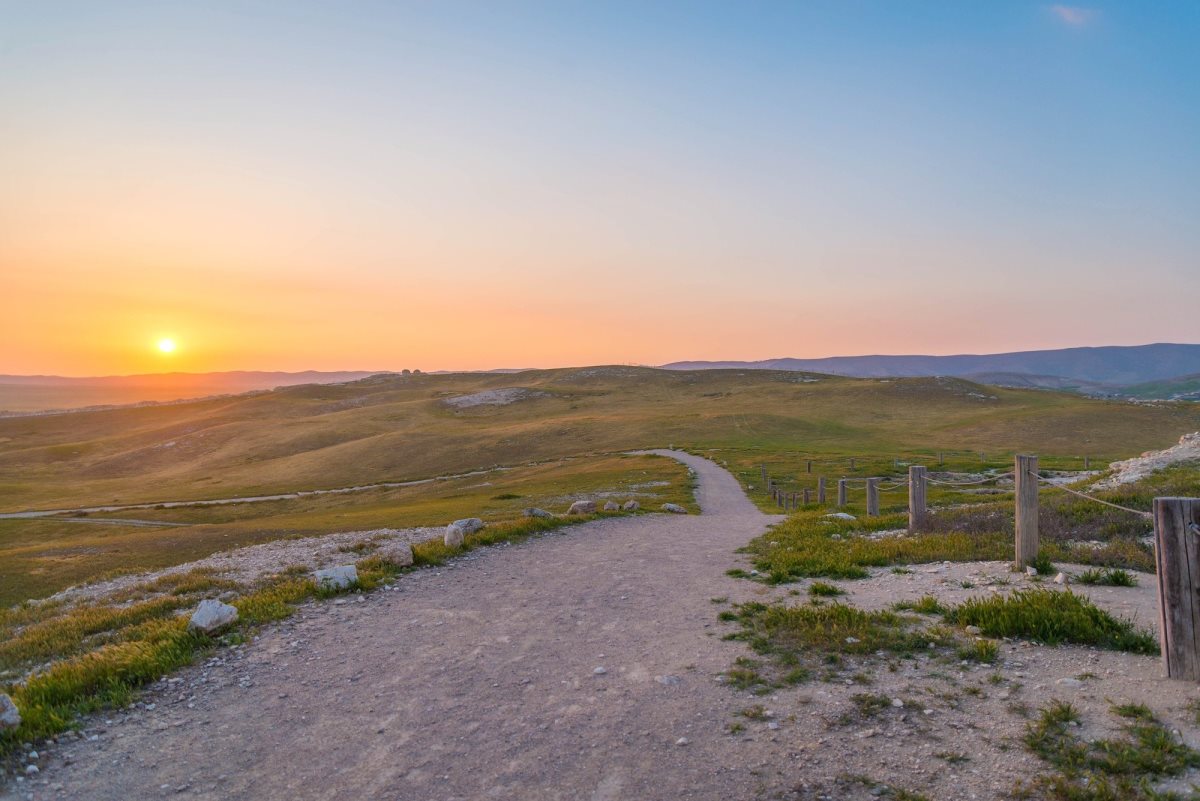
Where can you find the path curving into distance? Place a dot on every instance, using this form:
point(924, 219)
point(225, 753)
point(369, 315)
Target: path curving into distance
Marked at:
point(474, 681)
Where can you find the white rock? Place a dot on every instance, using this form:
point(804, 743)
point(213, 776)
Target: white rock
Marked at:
point(1061, 578)
point(611, 506)
point(535, 512)
point(211, 616)
point(599, 671)
point(896, 702)
point(398, 553)
point(669, 681)
point(1031, 571)
point(31, 770)
point(682, 741)
point(631, 505)
point(459, 529)
point(582, 508)
point(974, 630)
point(10, 716)
point(1069, 682)
point(674, 509)
point(336, 578)
point(841, 516)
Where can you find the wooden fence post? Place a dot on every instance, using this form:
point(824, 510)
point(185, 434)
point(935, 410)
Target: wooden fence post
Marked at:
point(1177, 556)
point(1087, 463)
point(807, 496)
point(941, 458)
point(821, 489)
point(841, 492)
point(808, 466)
point(916, 498)
point(1025, 474)
point(851, 464)
point(872, 497)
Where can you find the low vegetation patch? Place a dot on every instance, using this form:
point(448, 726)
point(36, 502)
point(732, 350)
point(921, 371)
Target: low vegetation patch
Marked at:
point(1111, 577)
point(1104, 769)
point(1052, 617)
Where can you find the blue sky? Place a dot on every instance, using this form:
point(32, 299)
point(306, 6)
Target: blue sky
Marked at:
point(649, 181)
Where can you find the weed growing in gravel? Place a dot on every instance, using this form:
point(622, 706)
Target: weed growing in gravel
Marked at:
point(1110, 577)
point(1052, 617)
point(984, 651)
point(1104, 769)
point(925, 605)
point(825, 590)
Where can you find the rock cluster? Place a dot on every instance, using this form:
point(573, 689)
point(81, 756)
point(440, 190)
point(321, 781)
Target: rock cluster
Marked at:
point(457, 531)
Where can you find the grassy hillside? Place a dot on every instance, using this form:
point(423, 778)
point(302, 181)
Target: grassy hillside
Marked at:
point(395, 428)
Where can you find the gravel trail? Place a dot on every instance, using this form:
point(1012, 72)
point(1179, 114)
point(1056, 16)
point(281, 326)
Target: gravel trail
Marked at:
point(480, 680)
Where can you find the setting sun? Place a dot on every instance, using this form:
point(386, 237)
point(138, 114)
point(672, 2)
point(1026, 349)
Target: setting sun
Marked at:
point(166, 345)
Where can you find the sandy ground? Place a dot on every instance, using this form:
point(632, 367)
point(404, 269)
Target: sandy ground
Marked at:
point(587, 665)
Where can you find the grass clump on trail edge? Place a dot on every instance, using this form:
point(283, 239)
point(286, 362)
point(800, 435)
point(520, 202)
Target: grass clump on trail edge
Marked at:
point(809, 545)
point(1119, 769)
point(1052, 617)
point(794, 635)
point(1110, 577)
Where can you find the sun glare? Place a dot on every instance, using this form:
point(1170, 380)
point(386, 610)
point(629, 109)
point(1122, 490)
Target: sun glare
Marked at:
point(166, 345)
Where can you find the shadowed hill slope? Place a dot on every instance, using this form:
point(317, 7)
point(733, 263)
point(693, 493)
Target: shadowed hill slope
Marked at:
point(399, 427)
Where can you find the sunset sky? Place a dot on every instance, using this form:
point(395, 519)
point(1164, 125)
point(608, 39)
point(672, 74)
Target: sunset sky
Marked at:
point(449, 185)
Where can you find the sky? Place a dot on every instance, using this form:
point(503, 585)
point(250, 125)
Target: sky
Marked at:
point(474, 185)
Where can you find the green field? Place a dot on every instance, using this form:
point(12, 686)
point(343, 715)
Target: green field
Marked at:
point(396, 428)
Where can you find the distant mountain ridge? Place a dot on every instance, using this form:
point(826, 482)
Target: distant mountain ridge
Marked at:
point(1115, 366)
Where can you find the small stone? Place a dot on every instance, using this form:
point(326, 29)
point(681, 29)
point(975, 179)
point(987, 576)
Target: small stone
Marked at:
point(1069, 682)
point(896, 702)
point(841, 516)
point(974, 630)
point(336, 578)
point(211, 616)
point(682, 741)
point(851, 640)
point(773, 726)
point(10, 716)
point(31, 770)
point(1061, 578)
point(396, 552)
point(533, 511)
point(1031, 571)
point(611, 506)
point(631, 505)
point(674, 509)
point(669, 681)
point(599, 671)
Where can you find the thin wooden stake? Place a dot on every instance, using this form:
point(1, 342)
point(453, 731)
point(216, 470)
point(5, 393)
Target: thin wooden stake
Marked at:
point(916, 498)
point(1177, 555)
point(808, 466)
point(1025, 471)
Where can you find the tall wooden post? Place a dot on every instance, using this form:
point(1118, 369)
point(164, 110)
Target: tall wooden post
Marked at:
point(941, 458)
point(1025, 473)
point(807, 496)
point(821, 489)
point(851, 464)
point(872, 497)
point(1177, 556)
point(916, 498)
point(841, 492)
point(1087, 463)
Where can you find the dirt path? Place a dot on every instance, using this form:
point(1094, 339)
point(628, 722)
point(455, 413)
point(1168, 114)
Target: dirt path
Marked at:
point(481, 680)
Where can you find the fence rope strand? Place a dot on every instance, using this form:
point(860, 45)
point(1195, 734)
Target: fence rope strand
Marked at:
point(1138, 512)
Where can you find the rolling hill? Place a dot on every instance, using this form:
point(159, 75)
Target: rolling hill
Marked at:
point(392, 427)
